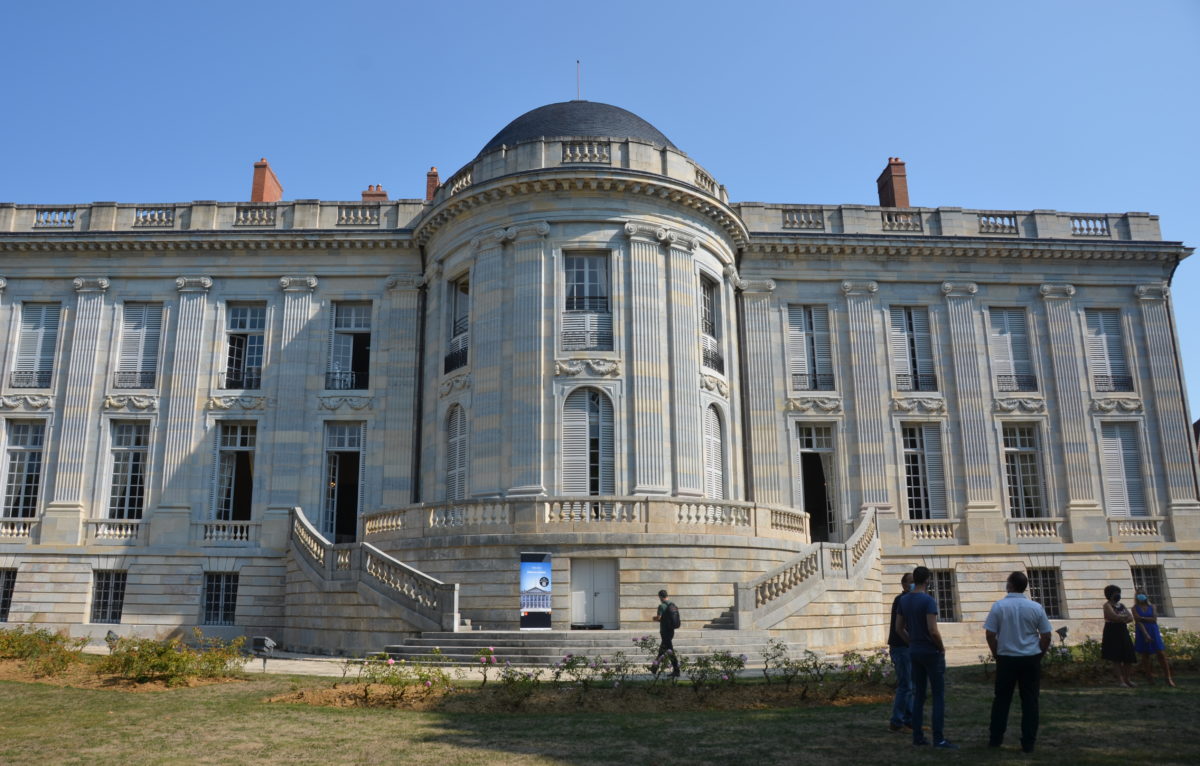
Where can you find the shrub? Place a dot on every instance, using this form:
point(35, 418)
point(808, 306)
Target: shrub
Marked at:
point(172, 661)
point(45, 653)
point(517, 686)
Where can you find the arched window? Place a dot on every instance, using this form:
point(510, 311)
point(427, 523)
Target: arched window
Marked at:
point(714, 454)
point(587, 445)
point(456, 453)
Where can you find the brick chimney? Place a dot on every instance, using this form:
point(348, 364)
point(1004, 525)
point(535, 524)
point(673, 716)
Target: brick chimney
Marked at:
point(431, 184)
point(374, 193)
point(266, 186)
point(893, 184)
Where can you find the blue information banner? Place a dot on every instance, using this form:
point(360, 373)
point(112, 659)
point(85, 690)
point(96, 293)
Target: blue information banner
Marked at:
point(536, 586)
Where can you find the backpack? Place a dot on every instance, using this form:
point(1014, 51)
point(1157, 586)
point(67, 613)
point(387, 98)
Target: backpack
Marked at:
point(671, 616)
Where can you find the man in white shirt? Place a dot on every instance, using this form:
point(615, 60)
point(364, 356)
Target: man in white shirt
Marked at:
point(1018, 634)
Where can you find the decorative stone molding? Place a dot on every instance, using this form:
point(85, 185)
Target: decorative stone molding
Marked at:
point(645, 232)
point(1153, 292)
point(919, 405)
point(959, 289)
point(827, 405)
point(269, 240)
point(493, 237)
point(193, 284)
point(353, 402)
point(755, 285)
point(527, 230)
point(859, 288)
point(237, 402)
point(404, 282)
point(433, 273)
point(130, 402)
point(1056, 290)
point(297, 284)
point(678, 240)
point(457, 383)
point(598, 367)
point(1022, 405)
point(713, 383)
point(25, 402)
point(90, 284)
point(1116, 405)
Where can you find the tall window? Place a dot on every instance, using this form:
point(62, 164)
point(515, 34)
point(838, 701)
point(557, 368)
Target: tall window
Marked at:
point(814, 469)
point(127, 497)
point(941, 587)
point(711, 355)
point(1045, 587)
point(245, 325)
point(108, 595)
point(1106, 351)
point(714, 454)
point(33, 366)
point(220, 598)
point(1151, 578)
point(343, 475)
point(349, 347)
point(587, 446)
point(1124, 488)
point(1023, 471)
point(235, 471)
point(1009, 342)
point(924, 476)
point(587, 313)
point(810, 362)
point(8, 583)
point(459, 298)
point(456, 453)
point(22, 486)
point(141, 330)
point(912, 349)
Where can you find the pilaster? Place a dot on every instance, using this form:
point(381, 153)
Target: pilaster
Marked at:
point(293, 431)
point(181, 419)
point(530, 335)
point(488, 295)
point(767, 452)
point(648, 372)
point(399, 368)
point(870, 409)
point(687, 439)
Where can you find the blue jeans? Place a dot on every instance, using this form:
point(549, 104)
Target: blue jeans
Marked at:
point(928, 664)
point(902, 704)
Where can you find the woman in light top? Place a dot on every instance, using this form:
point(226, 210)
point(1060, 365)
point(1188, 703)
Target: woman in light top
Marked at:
point(1115, 645)
point(1147, 640)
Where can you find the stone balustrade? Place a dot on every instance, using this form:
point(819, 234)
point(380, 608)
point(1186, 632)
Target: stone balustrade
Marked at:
point(115, 531)
point(1136, 528)
point(227, 532)
point(17, 529)
point(1034, 530)
point(930, 531)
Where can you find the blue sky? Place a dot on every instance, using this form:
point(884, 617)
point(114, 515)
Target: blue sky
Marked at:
point(1076, 106)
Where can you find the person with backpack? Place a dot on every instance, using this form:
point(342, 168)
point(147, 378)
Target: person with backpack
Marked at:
point(668, 620)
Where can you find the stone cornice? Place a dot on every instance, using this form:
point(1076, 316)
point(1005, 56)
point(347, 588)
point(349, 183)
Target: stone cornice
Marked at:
point(109, 242)
point(871, 245)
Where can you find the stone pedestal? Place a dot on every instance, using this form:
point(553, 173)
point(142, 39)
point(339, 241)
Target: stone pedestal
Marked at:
point(1088, 524)
point(170, 525)
point(985, 525)
point(62, 524)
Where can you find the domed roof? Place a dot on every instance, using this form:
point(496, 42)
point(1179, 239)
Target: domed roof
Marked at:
point(577, 118)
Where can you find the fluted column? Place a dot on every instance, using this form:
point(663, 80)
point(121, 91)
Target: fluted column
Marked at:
point(293, 429)
point(1179, 457)
point(487, 338)
point(768, 455)
point(77, 427)
point(870, 407)
point(399, 368)
point(687, 438)
point(528, 359)
point(180, 413)
point(648, 372)
point(1070, 383)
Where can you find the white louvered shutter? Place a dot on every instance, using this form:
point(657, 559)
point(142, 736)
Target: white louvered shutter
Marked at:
point(141, 330)
point(456, 454)
point(1106, 354)
point(898, 344)
point(935, 472)
point(1002, 341)
point(822, 356)
point(607, 465)
point(37, 338)
point(797, 345)
point(1018, 331)
point(714, 474)
point(575, 443)
point(923, 342)
point(1124, 488)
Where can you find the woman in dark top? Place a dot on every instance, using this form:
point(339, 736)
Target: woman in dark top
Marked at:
point(1147, 638)
point(1115, 645)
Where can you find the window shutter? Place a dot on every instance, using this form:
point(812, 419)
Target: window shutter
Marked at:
point(1115, 351)
point(1124, 488)
point(935, 474)
point(362, 468)
point(922, 341)
point(820, 342)
point(797, 343)
point(1097, 344)
point(334, 364)
point(898, 342)
point(1018, 329)
point(141, 330)
point(575, 443)
point(1002, 341)
point(607, 463)
point(714, 475)
point(456, 453)
point(37, 337)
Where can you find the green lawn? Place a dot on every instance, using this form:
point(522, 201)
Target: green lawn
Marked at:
point(231, 723)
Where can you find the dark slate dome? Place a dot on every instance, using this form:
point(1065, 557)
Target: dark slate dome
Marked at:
point(577, 118)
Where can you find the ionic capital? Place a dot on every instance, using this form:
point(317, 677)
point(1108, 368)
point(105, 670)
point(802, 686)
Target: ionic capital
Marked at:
point(1062, 291)
point(1152, 292)
point(298, 284)
point(90, 284)
point(959, 289)
point(193, 284)
point(860, 288)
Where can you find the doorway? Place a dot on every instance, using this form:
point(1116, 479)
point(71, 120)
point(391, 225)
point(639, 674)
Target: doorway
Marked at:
point(594, 593)
point(816, 496)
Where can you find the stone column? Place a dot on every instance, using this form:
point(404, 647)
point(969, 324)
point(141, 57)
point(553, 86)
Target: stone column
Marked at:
point(983, 515)
point(293, 419)
point(686, 420)
point(648, 373)
point(5, 317)
point(62, 522)
point(1084, 513)
point(528, 359)
point(180, 416)
point(488, 301)
point(869, 404)
point(1179, 457)
point(399, 368)
point(768, 453)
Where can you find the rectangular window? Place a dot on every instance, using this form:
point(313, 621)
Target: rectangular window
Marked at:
point(941, 587)
point(349, 347)
point(1106, 351)
point(1009, 343)
point(711, 355)
point(23, 481)
point(1045, 587)
point(1023, 471)
point(235, 471)
point(141, 330)
point(810, 362)
point(130, 443)
point(1124, 488)
point(1151, 579)
point(343, 487)
point(911, 347)
point(220, 598)
point(33, 366)
point(108, 596)
point(460, 321)
point(244, 336)
point(8, 583)
point(814, 471)
point(924, 475)
point(587, 312)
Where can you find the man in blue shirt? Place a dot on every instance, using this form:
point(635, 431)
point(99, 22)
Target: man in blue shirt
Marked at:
point(917, 624)
point(1018, 634)
point(898, 649)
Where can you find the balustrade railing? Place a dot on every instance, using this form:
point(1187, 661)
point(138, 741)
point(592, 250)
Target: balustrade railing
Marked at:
point(930, 530)
point(233, 532)
point(254, 215)
point(812, 382)
point(997, 223)
point(922, 382)
point(1144, 527)
point(125, 530)
point(1016, 383)
point(586, 151)
point(16, 529)
point(705, 181)
point(134, 379)
point(600, 508)
point(1089, 226)
point(310, 541)
point(346, 380)
point(459, 182)
point(427, 596)
point(1034, 529)
point(778, 583)
point(481, 513)
point(1112, 383)
point(894, 221)
point(358, 215)
point(154, 217)
point(710, 354)
point(54, 218)
point(246, 380)
point(800, 218)
point(791, 521)
point(30, 378)
point(709, 512)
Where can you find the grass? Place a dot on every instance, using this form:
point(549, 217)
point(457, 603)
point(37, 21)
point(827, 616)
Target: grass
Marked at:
point(231, 723)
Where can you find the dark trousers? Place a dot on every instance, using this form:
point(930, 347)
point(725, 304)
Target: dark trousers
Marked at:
point(928, 665)
point(1026, 674)
point(666, 646)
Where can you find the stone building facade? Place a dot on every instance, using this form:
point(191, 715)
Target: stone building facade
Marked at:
point(340, 422)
